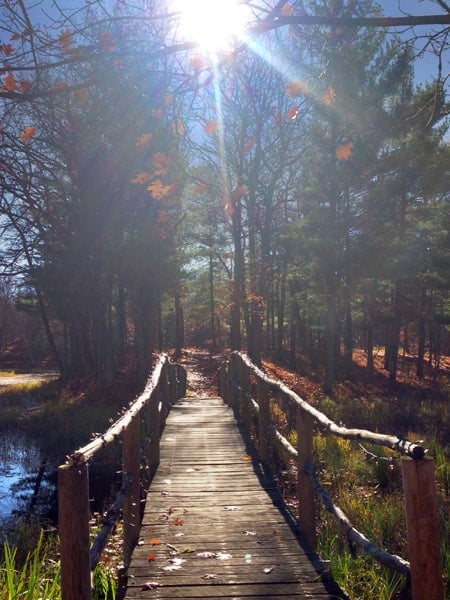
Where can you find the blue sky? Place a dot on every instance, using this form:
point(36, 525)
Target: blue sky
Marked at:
point(426, 68)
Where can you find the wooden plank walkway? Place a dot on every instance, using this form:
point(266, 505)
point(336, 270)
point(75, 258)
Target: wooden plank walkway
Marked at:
point(210, 528)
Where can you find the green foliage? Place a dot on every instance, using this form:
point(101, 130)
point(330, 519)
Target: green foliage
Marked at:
point(38, 577)
point(368, 488)
point(105, 583)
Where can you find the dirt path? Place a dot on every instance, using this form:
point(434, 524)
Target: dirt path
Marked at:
point(201, 367)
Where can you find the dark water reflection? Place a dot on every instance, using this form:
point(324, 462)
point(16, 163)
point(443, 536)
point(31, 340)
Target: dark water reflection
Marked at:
point(20, 462)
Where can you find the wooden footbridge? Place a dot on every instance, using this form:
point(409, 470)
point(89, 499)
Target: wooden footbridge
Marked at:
point(213, 523)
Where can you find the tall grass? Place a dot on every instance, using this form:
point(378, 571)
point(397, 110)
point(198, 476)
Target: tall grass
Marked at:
point(36, 578)
point(366, 482)
point(368, 487)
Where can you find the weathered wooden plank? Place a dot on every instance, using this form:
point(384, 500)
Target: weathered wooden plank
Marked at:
point(210, 529)
point(254, 591)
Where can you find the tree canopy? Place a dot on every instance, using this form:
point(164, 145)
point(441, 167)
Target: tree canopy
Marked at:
point(289, 194)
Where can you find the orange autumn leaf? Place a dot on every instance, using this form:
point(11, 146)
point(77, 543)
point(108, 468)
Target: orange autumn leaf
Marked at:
point(211, 127)
point(10, 83)
point(344, 151)
point(249, 145)
point(179, 127)
point(65, 39)
point(247, 457)
point(161, 164)
point(107, 41)
point(151, 557)
point(25, 86)
point(163, 217)
point(296, 88)
point(239, 192)
point(7, 49)
point(159, 190)
point(329, 97)
point(140, 178)
point(178, 522)
point(287, 10)
point(292, 113)
point(155, 542)
point(58, 86)
point(28, 134)
point(144, 140)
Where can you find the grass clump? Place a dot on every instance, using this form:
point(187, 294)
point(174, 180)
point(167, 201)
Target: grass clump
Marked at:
point(36, 574)
point(37, 577)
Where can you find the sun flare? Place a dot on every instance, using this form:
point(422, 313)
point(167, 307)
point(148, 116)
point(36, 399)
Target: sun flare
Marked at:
point(215, 25)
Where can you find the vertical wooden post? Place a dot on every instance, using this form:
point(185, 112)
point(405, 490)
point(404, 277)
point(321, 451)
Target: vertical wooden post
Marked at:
point(244, 402)
point(163, 388)
point(234, 380)
point(265, 441)
point(154, 432)
point(220, 382)
point(132, 505)
point(181, 382)
point(73, 525)
point(422, 519)
point(173, 383)
point(305, 488)
point(226, 392)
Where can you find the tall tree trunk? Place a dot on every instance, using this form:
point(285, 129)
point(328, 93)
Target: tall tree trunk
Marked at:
point(41, 303)
point(280, 313)
point(212, 302)
point(394, 338)
point(238, 282)
point(348, 337)
point(330, 345)
point(179, 326)
point(369, 347)
point(420, 365)
point(121, 323)
point(145, 320)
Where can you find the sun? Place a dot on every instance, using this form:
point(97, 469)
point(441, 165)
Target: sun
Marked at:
point(214, 25)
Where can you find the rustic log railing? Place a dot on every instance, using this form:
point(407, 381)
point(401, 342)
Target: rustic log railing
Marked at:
point(249, 391)
point(166, 384)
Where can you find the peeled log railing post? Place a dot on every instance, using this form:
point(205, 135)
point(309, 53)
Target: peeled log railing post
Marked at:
point(422, 520)
point(244, 404)
point(154, 431)
point(132, 505)
point(73, 525)
point(234, 379)
point(265, 441)
point(305, 489)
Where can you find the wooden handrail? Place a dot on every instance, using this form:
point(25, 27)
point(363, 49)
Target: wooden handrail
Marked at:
point(117, 428)
point(395, 443)
point(165, 385)
point(419, 485)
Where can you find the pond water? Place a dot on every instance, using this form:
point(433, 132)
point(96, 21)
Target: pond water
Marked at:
point(20, 463)
point(28, 477)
